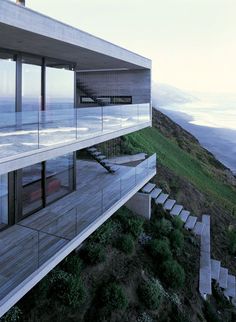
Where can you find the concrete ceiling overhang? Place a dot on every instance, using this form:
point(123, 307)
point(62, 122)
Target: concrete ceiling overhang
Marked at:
point(22, 29)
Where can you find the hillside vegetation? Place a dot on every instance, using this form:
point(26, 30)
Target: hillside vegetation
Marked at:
point(180, 152)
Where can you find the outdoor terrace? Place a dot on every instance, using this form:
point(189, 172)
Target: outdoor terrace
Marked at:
point(34, 246)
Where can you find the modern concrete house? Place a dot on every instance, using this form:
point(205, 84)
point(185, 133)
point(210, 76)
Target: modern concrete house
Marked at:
point(62, 91)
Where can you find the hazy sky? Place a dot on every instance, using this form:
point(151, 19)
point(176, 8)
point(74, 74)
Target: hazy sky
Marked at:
point(192, 42)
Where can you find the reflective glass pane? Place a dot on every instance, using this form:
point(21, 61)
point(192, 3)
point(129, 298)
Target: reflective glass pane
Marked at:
point(32, 197)
point(31, 87)
point(7, 84)
point(59, 88)
point(59, 177)
point(3, 200)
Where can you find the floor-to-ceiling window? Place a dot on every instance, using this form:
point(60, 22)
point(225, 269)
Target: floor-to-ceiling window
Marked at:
point(59, 87)
point(36, 94)
point(7, 84)
point(7, 110)
point(45, 182)
point(3, 200)
point(59, 177)
point(32, 189)
point(31, 84)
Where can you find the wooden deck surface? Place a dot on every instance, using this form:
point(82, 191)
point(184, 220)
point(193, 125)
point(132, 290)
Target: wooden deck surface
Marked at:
point(28, 244)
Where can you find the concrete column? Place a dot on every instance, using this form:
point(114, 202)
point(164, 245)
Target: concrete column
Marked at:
point(140, 203)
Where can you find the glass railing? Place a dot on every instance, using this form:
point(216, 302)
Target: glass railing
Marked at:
point(25, 131)
point(28, 245)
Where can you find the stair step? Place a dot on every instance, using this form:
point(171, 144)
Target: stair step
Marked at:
point(230, 290)
point(101, 157)
point(155, 193)
point(114, 167)
point(184, 215)
point(176, 210)
point(91, 149)
point(215, 269)
point(190, 223)
point(148, 187)
point(205, 237)
point(223, 278)
point(161, 199)
point(96, 154)
point(104, 161)
point(198, 228)
point(205, 287)
point(169, 204)
point(206, 219)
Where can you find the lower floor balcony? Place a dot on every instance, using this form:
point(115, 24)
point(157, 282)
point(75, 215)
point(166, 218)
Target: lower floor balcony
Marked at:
point(36, 244)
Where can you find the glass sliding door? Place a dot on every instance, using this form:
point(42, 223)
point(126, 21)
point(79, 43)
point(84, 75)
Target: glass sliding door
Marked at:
point(3, 200)
point(32, 189)
point(31, 88)
point(42, 184)
point(59, 88)
point(59, 177)
point(7, 84)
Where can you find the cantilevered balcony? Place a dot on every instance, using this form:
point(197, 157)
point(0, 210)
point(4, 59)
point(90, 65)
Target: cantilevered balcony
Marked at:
point(27, 135)
point(34, 246)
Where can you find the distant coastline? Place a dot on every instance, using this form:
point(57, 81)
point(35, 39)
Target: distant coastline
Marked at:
point(219, 141)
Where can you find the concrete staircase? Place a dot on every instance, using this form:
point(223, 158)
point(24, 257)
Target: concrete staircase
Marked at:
point(210, 269)
point(102, 159)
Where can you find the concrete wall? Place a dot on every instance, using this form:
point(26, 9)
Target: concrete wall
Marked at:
point(140, 203)
point(135, 83)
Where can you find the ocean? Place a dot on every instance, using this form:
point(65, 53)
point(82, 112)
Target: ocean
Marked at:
point(212, 120)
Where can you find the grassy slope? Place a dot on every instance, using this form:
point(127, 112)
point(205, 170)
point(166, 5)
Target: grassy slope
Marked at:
point(184, 164)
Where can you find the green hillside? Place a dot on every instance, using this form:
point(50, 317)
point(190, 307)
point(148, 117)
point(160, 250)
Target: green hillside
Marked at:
point(203, 175)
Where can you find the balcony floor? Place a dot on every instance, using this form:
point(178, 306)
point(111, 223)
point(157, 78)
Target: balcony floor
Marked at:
point(27, 245)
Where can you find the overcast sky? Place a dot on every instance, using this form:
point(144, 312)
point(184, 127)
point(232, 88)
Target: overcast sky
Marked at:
point(192, 43)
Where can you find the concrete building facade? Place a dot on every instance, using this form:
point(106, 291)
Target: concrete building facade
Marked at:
point(62, 91)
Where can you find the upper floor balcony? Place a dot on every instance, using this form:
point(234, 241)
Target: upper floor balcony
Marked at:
point(30, 133)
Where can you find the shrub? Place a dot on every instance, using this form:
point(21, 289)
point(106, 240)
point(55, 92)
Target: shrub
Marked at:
point(151, 294)
point(113, 297)
point(177, 223)
point(144, 317)
point(173, 274)
point(76, 295)
point(232, 239)
point(66, 288)
point(94, 253)
point(13, 315)
point(133, 226)
point(159, 249)
point(209, 312)
point(162, 227)
point(178, 315)
point(104, 235)
point(177, 239)
point(126, 244)
point(72, 264)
